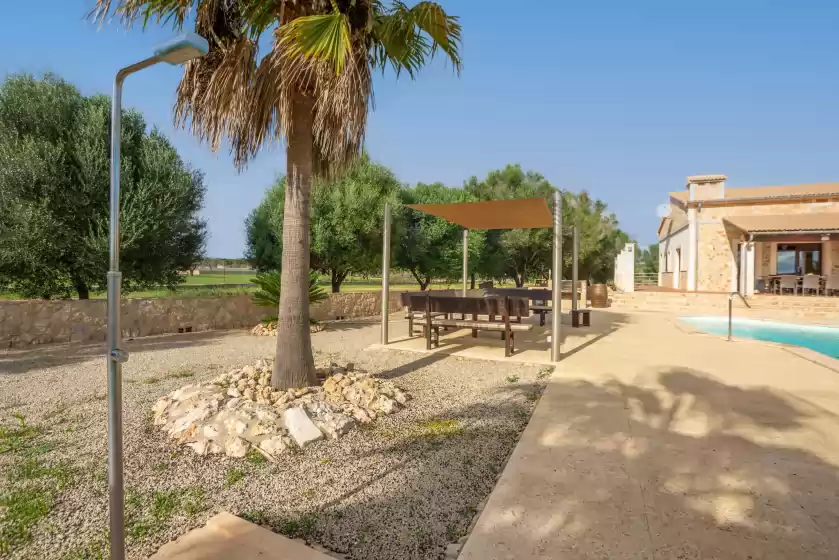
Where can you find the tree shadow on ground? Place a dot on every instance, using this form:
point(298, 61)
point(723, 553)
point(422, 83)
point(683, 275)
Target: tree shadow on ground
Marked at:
point(22, 360)
point(350, 324)
point(415, 490)
point(414, 365)
point(684, 466)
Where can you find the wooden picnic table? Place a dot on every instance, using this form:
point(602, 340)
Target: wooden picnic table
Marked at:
point(437, 311)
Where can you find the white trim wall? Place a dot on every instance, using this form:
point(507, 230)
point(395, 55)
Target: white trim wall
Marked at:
point(691, 253)
point(667, 247)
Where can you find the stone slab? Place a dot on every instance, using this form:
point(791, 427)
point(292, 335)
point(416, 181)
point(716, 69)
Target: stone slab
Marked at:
point(226, 536)
point(300, 426)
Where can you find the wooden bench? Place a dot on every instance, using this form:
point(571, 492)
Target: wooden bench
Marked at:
point(577, 314)
point(435, 308)
point(419, 314)
point(539, 299)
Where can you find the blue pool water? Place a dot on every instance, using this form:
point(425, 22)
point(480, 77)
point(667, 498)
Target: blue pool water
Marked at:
point(821, 339)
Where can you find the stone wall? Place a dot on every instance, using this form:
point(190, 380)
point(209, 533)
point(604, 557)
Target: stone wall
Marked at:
point(796, 309)
point(352, 305)
point(25, 322)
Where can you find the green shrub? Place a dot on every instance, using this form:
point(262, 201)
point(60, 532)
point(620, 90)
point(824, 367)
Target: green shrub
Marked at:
point(268, 294)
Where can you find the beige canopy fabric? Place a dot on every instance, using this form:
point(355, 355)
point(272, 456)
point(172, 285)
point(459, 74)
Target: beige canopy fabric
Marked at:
point(493, 214)
point(786, 222)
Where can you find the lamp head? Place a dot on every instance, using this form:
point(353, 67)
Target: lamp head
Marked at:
point(182, 48)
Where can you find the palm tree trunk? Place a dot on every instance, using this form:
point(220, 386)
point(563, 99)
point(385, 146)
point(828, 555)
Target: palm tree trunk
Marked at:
point(294, 365)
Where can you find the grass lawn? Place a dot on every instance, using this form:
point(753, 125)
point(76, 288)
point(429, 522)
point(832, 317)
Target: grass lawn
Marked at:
point(228, 277)
point(193, 286)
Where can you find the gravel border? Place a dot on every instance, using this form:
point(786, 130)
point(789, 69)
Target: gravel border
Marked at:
point(403, 488)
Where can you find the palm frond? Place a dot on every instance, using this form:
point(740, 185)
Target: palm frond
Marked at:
point(444, 30)
point(130, 11)
point(213, 95)
point(261, 14)
point(341, 100)
point(343, 103)
point(407, 38)
point(396, 41)
point(268, 294)
point(316, 293)
point(323, 50)
point(326, 37)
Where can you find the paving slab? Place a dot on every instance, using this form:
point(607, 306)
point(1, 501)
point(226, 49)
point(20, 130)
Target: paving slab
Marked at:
point(226, 536)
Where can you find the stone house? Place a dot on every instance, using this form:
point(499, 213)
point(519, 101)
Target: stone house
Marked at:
point(719, 239)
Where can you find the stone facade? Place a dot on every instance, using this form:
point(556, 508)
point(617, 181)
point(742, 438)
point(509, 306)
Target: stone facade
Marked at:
point(715, 259)
point(717, 242)
point(810, 309)
point(717, 246)
point(26, 322)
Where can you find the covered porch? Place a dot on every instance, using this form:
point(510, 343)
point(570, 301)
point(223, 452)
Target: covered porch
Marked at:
point(785, 254)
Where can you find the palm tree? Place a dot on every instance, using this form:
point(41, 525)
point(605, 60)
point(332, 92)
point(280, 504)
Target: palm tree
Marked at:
point(312, 91)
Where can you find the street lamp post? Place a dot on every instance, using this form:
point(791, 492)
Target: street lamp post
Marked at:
point(176, 51)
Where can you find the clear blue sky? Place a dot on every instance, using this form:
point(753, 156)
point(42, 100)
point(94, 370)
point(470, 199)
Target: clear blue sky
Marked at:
point(623, 99)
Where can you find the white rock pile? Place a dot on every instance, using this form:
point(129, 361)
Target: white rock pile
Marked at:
point(265, 329)
point(239, 410)
point(270, 328)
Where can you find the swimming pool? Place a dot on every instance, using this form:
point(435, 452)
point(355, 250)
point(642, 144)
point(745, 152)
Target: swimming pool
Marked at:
point(821, 339)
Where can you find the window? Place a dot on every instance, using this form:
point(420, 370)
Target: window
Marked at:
point(810, 262)
point(786, 261)
point(799, 259)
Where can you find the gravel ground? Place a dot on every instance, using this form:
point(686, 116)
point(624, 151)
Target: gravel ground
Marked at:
point(403, 488)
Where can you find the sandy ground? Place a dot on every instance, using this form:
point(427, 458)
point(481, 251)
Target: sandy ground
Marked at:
point(402, 489)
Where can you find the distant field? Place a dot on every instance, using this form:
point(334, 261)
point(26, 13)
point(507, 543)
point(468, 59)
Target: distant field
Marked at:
point(215, 277)
point(192, 286)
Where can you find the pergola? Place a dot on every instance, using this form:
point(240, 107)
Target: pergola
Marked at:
point(522, 213)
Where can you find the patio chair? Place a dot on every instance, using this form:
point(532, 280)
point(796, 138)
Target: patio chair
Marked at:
point(810, 284)
point(831, 285)
point(789, 283)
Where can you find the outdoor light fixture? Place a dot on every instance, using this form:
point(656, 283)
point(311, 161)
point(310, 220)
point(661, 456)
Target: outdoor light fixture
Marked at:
point(826, 237)
point(182, 49)
point(177, 51)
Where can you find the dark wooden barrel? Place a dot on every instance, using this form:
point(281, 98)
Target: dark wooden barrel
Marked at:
point(599, 295)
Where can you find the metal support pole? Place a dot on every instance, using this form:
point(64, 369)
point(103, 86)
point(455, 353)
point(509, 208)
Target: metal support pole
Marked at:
point(556, 278)
point(731, 297)
point(465, 259)
point(115, 354)
point(386, 273)
point(575, 261)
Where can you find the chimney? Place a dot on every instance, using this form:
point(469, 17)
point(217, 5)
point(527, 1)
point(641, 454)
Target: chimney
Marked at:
point(706, 187)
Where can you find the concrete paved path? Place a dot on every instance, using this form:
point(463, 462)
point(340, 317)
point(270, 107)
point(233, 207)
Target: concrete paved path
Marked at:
point(656, 443)
point(226, 536)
